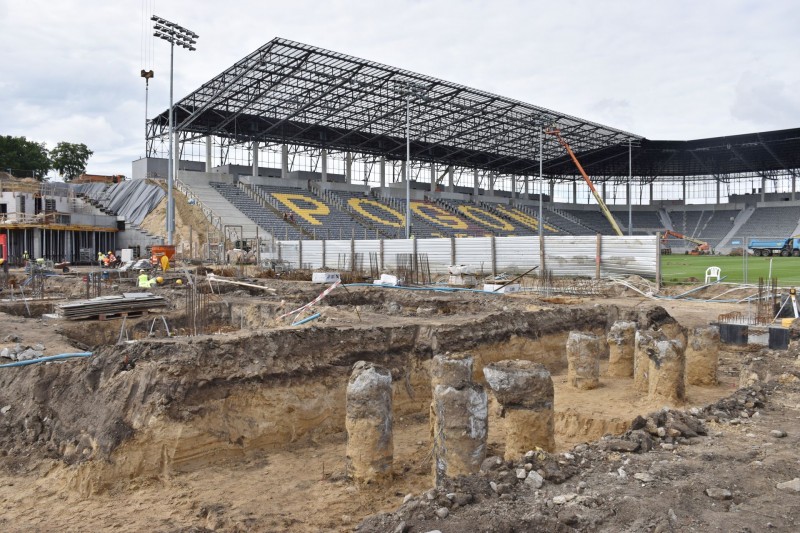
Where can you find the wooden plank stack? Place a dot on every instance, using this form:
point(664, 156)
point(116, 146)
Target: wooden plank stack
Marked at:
point(109, 306)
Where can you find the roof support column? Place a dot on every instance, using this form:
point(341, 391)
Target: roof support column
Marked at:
point(383, 171)
point(574, 192)
point(683, 182)
point(492, 176)
point(433, 177)
point(323, 164)
point(719, 186)
point(209, 147)
point(527, 187)
point(794, 182)
point(763, 188)
point(552, 191)
point(254, 149)
point(348, 168)
point(603, 191)
point(451, 172)
point(284, 161)
point(403, 171)
point(651, 194)
point(475, 188)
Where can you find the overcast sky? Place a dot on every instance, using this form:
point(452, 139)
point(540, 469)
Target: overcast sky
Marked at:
point(677, 69)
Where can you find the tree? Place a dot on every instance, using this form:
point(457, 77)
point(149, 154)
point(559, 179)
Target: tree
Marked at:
point(70, 159)
point(23, 158)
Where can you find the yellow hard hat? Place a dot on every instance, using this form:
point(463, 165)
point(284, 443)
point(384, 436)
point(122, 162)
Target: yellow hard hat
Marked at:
point(159, 279)
point(179, 282)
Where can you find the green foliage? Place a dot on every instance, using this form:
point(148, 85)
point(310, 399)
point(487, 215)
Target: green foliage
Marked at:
point(23, 157)
point(679, 268)
point(70, 159)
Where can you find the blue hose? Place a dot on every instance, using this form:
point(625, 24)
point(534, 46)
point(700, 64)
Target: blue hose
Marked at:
point(435, 289)
point(45, 359)
point(307, 319)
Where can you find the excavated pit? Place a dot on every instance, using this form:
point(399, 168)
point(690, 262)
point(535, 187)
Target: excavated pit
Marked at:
point(160, 406)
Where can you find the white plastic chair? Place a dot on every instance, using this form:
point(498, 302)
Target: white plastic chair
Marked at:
point(712, 274)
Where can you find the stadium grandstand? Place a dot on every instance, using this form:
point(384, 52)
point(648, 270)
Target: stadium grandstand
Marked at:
point(307, 143)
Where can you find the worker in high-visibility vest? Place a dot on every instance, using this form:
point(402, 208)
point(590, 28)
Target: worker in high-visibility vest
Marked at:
point(144, 280)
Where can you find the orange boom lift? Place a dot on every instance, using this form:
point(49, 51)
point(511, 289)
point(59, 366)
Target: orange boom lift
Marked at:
point(597, 197)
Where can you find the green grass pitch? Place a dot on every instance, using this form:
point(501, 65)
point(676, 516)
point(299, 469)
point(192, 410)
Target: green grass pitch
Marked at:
point(679, 268)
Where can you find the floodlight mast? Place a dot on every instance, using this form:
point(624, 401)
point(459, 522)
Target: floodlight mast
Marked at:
point(410, 89)
point(173, 34)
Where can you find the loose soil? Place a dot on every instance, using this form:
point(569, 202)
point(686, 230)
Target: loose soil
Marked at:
point(243, 429)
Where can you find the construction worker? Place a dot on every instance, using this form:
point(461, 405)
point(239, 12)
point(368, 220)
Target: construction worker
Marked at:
point(164, 262)
point(112, 259)
point(154, 261)
point(4, 267)
point(25, 258)
point(144, 280)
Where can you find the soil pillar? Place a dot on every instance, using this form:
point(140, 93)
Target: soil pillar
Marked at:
point(621, 338)
point(460, 430)
point(370, 446)
point(667, 369)
point(583, 359)
point(702, 356)
point(644, 344)
point(525, 391)
point(449, 370)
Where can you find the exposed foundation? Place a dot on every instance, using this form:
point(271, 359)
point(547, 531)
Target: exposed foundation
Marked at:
point(370, 446)
point(460, 430)
point(621, 338)
point(644, 345)
point(525, 391)
point(584, 351)
point(667, 369)
point(702, 356)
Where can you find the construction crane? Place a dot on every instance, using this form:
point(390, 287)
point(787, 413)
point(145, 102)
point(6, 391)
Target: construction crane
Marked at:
point(702, 246)
point(597, 197)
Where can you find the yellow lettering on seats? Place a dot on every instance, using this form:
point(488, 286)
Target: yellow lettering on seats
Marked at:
point(484, 217)
point(290, 201)
point(357, 203)
point(437, 215)
point(524, 218)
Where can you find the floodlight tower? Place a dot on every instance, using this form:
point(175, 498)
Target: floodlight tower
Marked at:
point(173, 34)
point(410, 89)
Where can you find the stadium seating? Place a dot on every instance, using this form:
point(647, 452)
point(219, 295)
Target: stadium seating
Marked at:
point(528, 224)
point(709, 225)
point(389, 222)
point(334, 214)
point(256, 212)
point(644, 222)
point(771, 222)
point(479, 220)
point(594, 220)
point(320, 219)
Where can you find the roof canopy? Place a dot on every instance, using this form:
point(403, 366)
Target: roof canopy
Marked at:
point(288, 92)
